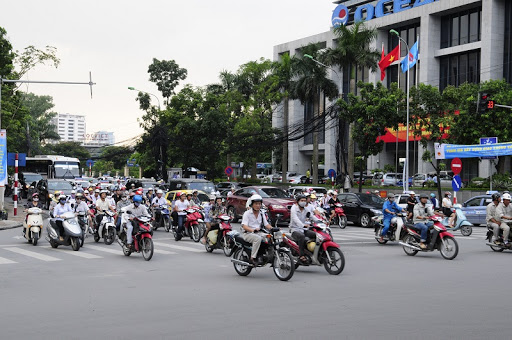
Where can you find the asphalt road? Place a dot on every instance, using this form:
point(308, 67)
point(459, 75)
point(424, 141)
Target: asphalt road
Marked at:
point(186, 293)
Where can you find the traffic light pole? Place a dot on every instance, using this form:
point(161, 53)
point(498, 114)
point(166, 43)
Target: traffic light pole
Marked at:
point(503, 106)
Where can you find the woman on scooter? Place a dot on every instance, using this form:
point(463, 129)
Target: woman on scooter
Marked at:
point(332, 204)
point(33, 204)
point(447, 207)
point(59, 210)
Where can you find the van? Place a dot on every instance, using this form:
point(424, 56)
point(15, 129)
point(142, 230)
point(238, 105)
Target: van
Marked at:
point(191, 184)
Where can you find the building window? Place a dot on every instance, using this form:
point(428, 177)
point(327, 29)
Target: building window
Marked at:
point(507, 55)
point(461, 28)
point(458, 69)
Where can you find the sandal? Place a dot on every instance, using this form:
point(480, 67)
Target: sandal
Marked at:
point(303, 258)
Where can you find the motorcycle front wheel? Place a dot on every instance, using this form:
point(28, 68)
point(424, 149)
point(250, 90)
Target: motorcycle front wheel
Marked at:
point(196, 232)
point(35, 238)
point(75, 243)
point(241, 269)
point(110, 236)
point(342, 222)
point(466, 230)
point(283, 266)
point(449, 248)
point(227, 246)
point(337, 263)
point(147, 248)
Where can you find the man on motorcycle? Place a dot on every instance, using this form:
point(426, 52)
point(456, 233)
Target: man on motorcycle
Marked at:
point(332, 205)
point(190, 200)
point(253, 220)
point(136, 209)
point(180, 207)
point(96, 196)
point(421, 213)
point(58, 211)
point(159, 201)
point(492, 218)
point(102, 205)
point(389, 209)
point(196, 199)
point(411, 202)
point(504, 212)
point(298, 216)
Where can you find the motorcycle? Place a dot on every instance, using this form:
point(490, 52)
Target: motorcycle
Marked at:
point(220, 239)
point(72, 232)
point(396, 229)
point(319, 251)
point(33, 225)
point(142, 238)
point(340, 219)
point(437, 239)
point(323, 224)
point(271, 252)
point(500, 245)
point(106, 229)
point(164, 218)
point(192, 226)
point(461, 222)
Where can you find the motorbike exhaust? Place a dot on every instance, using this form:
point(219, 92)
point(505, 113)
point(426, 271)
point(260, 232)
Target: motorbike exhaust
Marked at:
point(493, 245)
point(241, 262)
point(409, 246)
point(47, 238)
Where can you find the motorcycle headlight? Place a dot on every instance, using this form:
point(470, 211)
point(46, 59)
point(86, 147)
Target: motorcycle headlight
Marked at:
point(277, 206)
point(376, 212)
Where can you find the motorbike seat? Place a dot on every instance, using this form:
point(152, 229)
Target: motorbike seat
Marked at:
point(239, 239)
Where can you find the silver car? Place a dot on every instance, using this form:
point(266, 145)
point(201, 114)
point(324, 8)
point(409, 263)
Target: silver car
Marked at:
point(476, 209)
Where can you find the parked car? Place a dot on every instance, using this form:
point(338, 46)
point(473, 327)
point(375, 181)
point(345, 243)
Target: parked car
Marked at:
point(388, 179)
point(476, 208)
point(228, 185)
point(276, 200)
point(45, 187)
point(296, 179)
point(278, 176)
point(191, 184)
point(421, 179)
point(28, 182)
point(296, 189)
point(361, 207)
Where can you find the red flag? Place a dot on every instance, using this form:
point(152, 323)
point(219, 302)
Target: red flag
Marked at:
point(388, 60)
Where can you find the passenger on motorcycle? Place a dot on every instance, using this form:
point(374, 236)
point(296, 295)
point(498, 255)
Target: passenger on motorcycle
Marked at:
point(389, 209)
point(504, 211)
point(332, 205)
point(411, 203)
point(102, 205)
point(196, 199)
point(180, 207)
point(215, 210)
point(421, 213)
point(492, 217)
point(207, 219)
point(87, 197)
point(159, 201)
point(136, 209)
point(190, 200)
point(123, 202)
point(150, 195)
point(298, 217)
point(253, 220)
point(58, 211)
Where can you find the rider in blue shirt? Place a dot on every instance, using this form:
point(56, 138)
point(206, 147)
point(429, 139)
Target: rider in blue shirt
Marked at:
point(389, 209)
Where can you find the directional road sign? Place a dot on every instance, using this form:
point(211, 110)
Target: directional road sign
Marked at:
point(456, 183)
point(489, 140)
point(331, 173)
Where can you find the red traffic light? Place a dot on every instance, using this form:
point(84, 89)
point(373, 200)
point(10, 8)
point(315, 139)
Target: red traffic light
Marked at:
point(490, 104)
point(484, 97)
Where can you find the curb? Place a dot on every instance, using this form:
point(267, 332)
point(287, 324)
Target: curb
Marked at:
point(12, 227)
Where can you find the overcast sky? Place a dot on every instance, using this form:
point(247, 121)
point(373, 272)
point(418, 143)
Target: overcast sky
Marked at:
point(117, 40)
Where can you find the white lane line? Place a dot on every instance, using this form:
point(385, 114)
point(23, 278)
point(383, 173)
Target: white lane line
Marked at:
point(165, 252)
point(106, 250)
point(32, 254)
point(172, 246)
point(3, 260)
point(76, 253)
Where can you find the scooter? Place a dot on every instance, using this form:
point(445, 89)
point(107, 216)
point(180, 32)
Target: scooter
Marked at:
point(142, 238)
point(191, 226)
point(340, 219)
point(437, 239)
point(220, 239)
point(72, 232)
point(396, 229)
point(33, 225)
point(499, 246)
point(461, 222)
point(106, 229)
point(164, 219)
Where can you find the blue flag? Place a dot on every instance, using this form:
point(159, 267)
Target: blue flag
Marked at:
point(412, 57)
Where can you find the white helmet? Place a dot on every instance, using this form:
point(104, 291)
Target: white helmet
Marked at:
point(506, 197)
point(159, 191)
point(73, 191)
point(254, 198)
point(412, 193)
point(63, 197)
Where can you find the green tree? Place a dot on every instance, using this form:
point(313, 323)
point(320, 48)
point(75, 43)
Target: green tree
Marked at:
point(69, 149)
point(371, 112)
point(118, 155)
point(166, 74)
point(311, 81)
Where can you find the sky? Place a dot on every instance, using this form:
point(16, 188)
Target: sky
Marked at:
point(117, 41)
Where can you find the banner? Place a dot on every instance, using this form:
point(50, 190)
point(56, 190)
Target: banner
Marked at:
point(3, 157)
point(449, 151)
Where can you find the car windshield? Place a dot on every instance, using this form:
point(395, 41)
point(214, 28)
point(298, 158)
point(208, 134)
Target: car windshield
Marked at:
point(370, 199)
point(32, 178)
point(59, 185)
point(146, 185)
point(273, 193)
point(203, 186)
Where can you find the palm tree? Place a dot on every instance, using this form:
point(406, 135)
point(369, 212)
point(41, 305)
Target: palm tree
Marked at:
point(311, 81)
point(352, 52)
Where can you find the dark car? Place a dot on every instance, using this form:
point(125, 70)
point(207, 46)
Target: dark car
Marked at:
point(276, 200)
point(45, 187)
point(475, 209)
point(228, 185)
point(360, 207)
point(28, 182)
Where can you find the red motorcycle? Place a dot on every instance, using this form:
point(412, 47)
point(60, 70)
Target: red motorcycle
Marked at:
point(322, 251)
point(340, 219)
point(219, 239)
point(142, 238)
point(437, 239)
point(193, 225)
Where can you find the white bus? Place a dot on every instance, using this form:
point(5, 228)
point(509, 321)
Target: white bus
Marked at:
point(52, 166)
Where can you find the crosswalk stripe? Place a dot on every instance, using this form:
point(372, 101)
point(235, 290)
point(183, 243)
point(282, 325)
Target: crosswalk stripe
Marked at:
point(172, 246)
point(77, 253)
point(35, 255)
point(106, 250)
point(3, 260)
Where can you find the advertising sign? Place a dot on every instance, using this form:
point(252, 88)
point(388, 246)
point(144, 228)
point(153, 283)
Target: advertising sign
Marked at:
point(3, 157)
point(450, 151)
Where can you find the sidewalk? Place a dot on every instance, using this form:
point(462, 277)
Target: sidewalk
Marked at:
point(12, 221)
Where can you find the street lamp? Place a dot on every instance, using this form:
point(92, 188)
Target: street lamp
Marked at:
point(134, 89)
point(406, 179)
point(326, 66)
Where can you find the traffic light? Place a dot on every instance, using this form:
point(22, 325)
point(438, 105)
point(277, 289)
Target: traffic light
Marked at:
point(490, 104)
point(484, 102)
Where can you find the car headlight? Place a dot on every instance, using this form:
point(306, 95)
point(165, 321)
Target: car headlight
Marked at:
point(376, 212)
point(277, 206)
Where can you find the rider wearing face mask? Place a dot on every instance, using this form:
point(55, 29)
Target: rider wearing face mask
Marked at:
point(59, 210)
point(136, 209)
point(298, 216)
point(123, 202)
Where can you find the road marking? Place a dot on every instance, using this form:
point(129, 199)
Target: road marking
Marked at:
point(38, 256)
point(77, 253)
point(165, 252)
point(106, 250)
point(178, 247)
point(6, 261)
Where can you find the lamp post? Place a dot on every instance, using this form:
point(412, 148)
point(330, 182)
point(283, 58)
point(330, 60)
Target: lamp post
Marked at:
point(151, 94)
point(406, 179)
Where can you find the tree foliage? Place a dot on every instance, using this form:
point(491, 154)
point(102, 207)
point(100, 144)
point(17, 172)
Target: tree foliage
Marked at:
point(166, 74)
point(69, 149)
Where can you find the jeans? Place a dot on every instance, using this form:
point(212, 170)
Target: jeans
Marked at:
point(129, 231)
point(387, 223)
point(181, 223)
point(424, 229)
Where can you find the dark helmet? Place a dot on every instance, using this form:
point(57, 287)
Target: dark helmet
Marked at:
point(495, 196)
point(299, 197)
point(423, 196)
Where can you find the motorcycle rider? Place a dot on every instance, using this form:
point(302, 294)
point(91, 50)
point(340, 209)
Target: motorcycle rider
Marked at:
point(434, 201)
point(196, 199)
point(102, 205)
point(123, 202)
point(96, 196)
point(298, 216)
point(411, 202)
point(72, 199)
point(504, 212)
point(87, 197)
point(118, 194)
point(81, 206)
point(150, 195)
point(32, 204)
point(136, 209)
point(253, 220)
point(190, 201)
point(215, 210)
point(332, 205)
point(159, 201)
point(58, 211)
point(389, 209)
point(180, 207)
point(422, 211)
point(207, 218)
point(492, 218)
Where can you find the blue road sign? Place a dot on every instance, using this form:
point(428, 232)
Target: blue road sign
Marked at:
point(331, 173)
point(489, 140)
point(89, 163)
point(228, 170)
point(21, 159)
point(456, 183)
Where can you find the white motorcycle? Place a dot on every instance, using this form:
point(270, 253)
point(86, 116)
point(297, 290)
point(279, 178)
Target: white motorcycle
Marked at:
point(33, 225)
point(106, 229)
point(72, 232)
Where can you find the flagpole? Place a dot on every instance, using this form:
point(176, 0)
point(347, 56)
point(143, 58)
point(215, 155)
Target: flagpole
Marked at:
point(397, 109)
point(417, 61)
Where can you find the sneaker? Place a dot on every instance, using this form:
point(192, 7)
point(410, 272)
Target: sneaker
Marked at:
point(423, 246)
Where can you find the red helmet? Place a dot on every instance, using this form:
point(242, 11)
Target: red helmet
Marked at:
point(178, 194)
point(139, 192)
